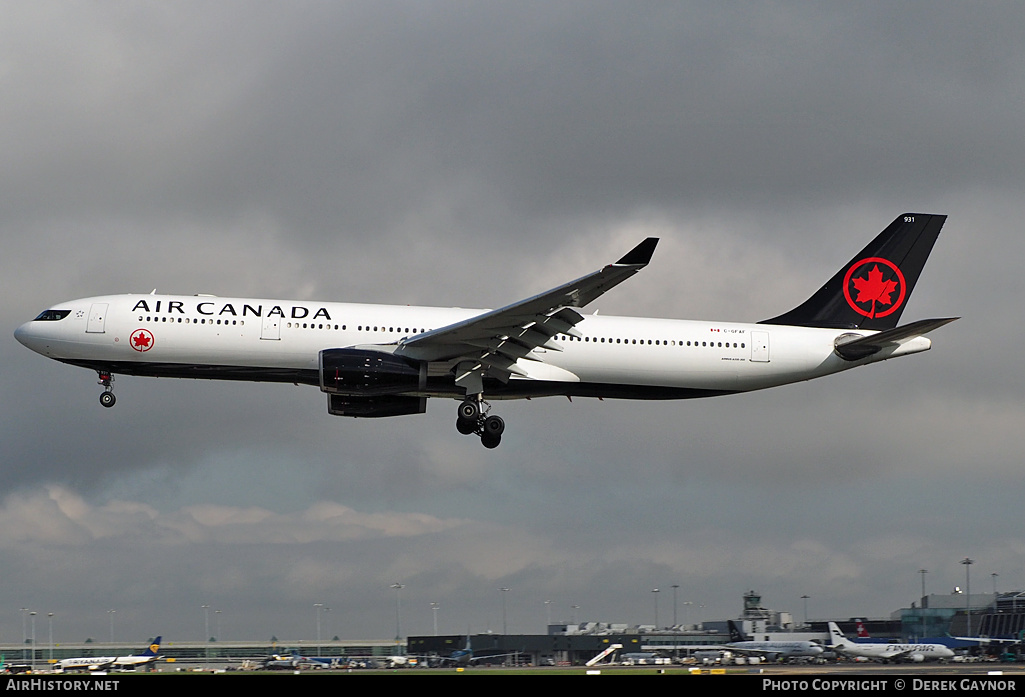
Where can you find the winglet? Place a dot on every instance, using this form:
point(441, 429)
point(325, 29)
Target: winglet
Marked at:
point(639, 255)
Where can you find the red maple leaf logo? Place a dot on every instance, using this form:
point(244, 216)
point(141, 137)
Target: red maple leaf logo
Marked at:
point(874, 289)
point(142, 340)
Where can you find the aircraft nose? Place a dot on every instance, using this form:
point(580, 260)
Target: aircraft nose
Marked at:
point(22, 334)
point(27, 336)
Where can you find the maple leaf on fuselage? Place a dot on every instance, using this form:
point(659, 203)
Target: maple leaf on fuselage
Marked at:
point(874, 289)
point(141, 340)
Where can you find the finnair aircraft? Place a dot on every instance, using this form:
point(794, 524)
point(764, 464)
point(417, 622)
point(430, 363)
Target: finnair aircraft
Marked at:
point(916, 653)
point(386, 360)
point(770, 650)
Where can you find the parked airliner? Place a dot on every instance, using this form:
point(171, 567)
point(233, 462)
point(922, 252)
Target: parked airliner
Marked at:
point(770, 650)
point(383, 360)
point(103, 663)
point(916, 653)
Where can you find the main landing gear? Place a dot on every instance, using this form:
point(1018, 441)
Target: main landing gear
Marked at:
point(107, 397)
point(473, 419)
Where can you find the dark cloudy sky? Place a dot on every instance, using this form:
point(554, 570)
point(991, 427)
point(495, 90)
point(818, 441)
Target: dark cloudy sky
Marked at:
point(472, 154)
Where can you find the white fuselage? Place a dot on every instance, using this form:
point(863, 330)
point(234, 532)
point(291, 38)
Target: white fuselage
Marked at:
point(280, 340)
point(785, 649)
point(887, 652)
point(99, 662)
point(907, 652)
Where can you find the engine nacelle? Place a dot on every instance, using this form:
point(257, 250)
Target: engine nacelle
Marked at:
point(374, 407)
point(360, 373)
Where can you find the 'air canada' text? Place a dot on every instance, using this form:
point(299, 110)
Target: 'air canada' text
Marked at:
point(210, 309)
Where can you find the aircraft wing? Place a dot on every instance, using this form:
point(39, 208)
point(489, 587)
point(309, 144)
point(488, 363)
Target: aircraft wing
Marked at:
point(488, 657)
point(765, 653)
point(496, 339)
point(984, 640)
point(899, 655)
point(98, 663)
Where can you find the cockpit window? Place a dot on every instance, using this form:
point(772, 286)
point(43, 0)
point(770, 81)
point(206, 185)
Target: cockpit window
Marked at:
point(52, 315)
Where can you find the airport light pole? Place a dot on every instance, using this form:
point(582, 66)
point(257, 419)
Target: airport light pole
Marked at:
point(398, 626)
point(968, 591)
point(32, 614)
point(654, 592)
point(49, 617)
point(995, 596)
point(548, 615)
point(319, 608)
point(24, 631)
point(316, 611)
point(922, 602)
point(111, 612)
point(504, 626)
point(805, 599)
point(206, 630)
point(434, 610)
point(217, 615)
point(676, 587)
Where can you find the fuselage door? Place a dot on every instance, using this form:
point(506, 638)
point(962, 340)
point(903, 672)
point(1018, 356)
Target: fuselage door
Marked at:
point(760, 347)
point(97, 316)
point(271, 328)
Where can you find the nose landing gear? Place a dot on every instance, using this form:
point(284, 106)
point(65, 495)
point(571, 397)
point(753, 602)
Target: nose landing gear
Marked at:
point(472, 419)
point(107, 397)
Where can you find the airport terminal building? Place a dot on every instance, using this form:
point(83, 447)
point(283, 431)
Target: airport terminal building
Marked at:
point(934, 618)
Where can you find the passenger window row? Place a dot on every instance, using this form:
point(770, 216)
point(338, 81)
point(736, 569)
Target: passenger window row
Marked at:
point(656, 342)
point(409, 332)
point(191, 320)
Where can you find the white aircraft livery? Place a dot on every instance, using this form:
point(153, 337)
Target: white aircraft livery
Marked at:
point(771, 650)
point(103, 663)
point(915, 653)
point(385, 360)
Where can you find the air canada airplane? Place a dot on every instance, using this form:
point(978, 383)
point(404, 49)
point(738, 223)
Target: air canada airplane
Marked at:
point(386, 360)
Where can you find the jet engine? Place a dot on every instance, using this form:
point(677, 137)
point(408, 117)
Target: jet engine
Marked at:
point(370, 384)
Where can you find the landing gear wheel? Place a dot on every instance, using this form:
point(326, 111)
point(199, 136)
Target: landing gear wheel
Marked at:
point(107, 398)
point(494, 426)
point(469, 410)
point(473, 418)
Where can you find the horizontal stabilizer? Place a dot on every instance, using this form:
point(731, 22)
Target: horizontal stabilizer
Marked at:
point(851, 347)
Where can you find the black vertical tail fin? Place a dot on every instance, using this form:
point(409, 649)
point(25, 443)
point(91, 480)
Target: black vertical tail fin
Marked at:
point(735, 632)
point(870, 291)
